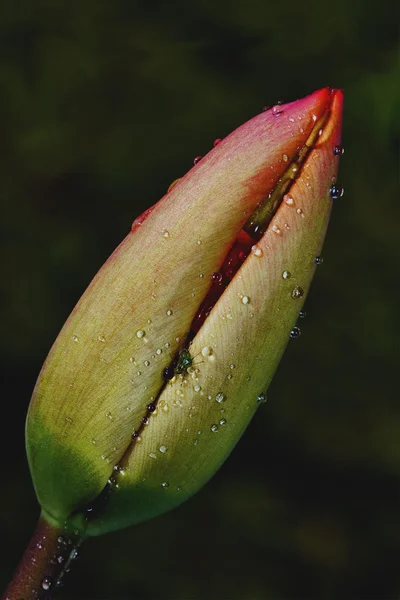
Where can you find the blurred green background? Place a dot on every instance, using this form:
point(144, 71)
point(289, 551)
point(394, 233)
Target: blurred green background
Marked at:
point(102, 105)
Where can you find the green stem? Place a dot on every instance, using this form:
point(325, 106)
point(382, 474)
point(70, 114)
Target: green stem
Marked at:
point(43, 564)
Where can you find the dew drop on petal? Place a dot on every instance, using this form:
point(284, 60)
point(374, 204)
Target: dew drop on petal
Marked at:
point(318, 260)
point(140, 333)
point(295, 333)
point(47, 583)
point(245, 300)
point(197, 159)
point(256, 250)
point(336, 191)
point(165, 484)
point(277, 110)
point(217, 141)
point(261, 398)
point(297, 292)
point(220, 397)
point(217, 277)
point(288, 199)
point(214, 427)
point(206, 351)
point(338, 150)
point(163, 449)
point(286, 274)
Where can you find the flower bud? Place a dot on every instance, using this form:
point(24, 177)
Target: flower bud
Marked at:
point(155, 375)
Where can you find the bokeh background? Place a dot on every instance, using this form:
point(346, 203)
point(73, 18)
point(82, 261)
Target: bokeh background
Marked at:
point(102, 105)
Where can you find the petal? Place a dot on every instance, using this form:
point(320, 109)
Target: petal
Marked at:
point(200, 418)
point(106, 365)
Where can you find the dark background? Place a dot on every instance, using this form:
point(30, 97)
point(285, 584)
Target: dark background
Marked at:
point(102, 105)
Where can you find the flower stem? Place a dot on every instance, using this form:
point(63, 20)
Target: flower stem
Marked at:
point(46, 559)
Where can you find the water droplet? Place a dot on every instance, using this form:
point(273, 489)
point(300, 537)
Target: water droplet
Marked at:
point(39, 545)
point(146, 363)
point(74, 554)
point(256, 250)
point(173, 184)
point(318, 260)
point(197, 388)
point(47, 583)
point(338, 150)
point(246, 300)
point(286, 274)
point(151, 407)
point(169, 312)
point(158, 351)
point(93, 441)
point(168, 373)
point(101, 338)
point(165, 484)
point(145, 420)
point(277, 110)
point(295, 333)
point(222, 422)
point(217, 277)
point(336, 191)
point(297, 292)
point(109, 416)
point(152, 455)
point(214, 427)
point(60, 559)
point(165, 233)
point(206, 351)
point(75, 338)
point(276, 229)
point(302, 314)
point(262, 398)
point(217, 141)
point(285, 157)
point(220, 397)
point(299, 211)
point(140, 333)
point(288, 199)
point(197, 159)
point(163, 449)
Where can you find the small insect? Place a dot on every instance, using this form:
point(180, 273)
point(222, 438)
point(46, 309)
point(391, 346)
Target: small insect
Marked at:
point(179, 366)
